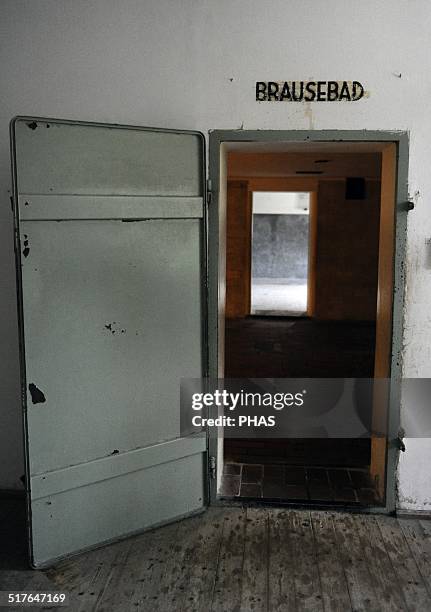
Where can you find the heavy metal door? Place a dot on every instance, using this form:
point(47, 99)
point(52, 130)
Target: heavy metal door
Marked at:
point(110, 244)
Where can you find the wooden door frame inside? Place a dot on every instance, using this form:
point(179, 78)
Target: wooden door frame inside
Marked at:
point(278, 185)
point(218, 145)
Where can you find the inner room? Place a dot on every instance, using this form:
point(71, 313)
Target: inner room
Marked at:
point(306, 254)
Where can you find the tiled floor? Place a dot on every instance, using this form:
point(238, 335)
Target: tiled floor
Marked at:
point(298, 484)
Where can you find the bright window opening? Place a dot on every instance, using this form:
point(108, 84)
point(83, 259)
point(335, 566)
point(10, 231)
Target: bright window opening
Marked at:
point(280, 238)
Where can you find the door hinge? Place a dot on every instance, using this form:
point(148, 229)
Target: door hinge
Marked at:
point(209, 190)
point(407, 206)
point(212, 464)
point(400, 441)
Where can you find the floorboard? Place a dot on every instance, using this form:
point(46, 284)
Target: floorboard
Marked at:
point(254, 591)
point(281, 570)
point(359, 579)
point(406, 569)
point(419, 542)
point(333, 582)
point(306, 574)
point(172, 587)
point(228, 584)
point(202, 569)
point(385, 584)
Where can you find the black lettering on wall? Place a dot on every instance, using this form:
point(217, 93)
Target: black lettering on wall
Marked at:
point(273, 88)
point(357, 91)
point(321, 91)
point(285, 92)
point(332, 91)
point(260, 91)
point(344, 92)
point(310, 88)
point(297, 90)
point(309, 91)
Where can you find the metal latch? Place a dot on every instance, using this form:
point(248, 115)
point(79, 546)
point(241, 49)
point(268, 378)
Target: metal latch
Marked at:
point(213, 467)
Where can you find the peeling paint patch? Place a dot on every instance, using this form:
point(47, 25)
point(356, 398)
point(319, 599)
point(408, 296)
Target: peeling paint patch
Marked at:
point(113, 329)
point(26, 249)
point(37, 396)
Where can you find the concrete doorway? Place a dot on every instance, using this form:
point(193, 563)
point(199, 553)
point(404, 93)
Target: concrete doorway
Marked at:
point(348, 329)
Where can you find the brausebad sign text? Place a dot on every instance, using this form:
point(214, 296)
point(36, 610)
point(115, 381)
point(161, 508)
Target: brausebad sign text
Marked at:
point(309, 91)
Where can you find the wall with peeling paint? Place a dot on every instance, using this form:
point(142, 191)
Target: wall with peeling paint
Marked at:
point(194, 65)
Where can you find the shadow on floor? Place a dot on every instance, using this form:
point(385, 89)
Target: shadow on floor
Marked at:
point(13, 535)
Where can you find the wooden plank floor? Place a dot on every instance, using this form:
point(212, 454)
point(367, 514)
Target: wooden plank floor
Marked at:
point(254, 559)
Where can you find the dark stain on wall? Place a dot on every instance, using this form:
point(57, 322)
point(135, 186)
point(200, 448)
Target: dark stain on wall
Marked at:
point(37, 396)
point(26, 249)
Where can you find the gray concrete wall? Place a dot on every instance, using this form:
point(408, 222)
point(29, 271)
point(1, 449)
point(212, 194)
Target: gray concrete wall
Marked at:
point(280, 246)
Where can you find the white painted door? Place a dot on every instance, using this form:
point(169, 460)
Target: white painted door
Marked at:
point(111, 269)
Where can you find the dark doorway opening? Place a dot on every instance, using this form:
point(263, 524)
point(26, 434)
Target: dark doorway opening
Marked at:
point(340, 332)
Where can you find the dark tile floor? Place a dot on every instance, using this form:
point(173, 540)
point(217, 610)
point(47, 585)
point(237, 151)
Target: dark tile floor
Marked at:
point(298, 484)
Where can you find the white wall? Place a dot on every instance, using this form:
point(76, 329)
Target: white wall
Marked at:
point(281, 203)
point(193, 64)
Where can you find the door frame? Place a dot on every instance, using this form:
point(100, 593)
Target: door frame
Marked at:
point(216, 262)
